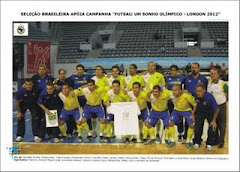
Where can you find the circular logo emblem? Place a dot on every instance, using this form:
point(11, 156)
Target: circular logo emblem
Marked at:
point(20, 29)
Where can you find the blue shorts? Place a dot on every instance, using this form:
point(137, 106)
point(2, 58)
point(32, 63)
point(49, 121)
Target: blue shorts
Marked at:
point(155, 115)
point(65, 114)
point(90, 111)
point(109, 118)
point(144, 115)
point(176, 116)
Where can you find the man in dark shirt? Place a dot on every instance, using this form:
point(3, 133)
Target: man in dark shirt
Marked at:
point(49, 100)
point(207, 108)
point(41, 78)
point(27, 99)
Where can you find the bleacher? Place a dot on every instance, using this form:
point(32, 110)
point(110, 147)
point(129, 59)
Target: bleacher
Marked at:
point(216, 30)
point(71, 35)
point(138, 40)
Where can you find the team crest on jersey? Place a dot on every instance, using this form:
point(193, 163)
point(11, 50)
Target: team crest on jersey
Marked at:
point(52, 118)
point(199, 81)
point(189, 80)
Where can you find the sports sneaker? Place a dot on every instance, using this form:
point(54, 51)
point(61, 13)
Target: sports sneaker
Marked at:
point(37, 139)
point(134, 140)
point(107, 140)
point(209, 147)
point(158, 139)
point(101, 139)
point(80, 139)
point(170, 144)
point(166, 141)
point(56, 140)
point(189, 145)
point(184, 141)
point(220, 145)
point(62, 138)
point(75, 134)
point(196, 146)
point(144, 141)
point(180, 138)
point(151, 141)
point(19, 139)
point(94, 134)
point(127, 140)
point(69, 136)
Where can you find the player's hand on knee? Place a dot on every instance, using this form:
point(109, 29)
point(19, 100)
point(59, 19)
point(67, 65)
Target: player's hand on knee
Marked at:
point(213, 124)
point(19, 115)
point(192, 117)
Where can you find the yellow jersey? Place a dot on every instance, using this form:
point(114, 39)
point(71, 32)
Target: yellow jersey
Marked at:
point(136, 78)
point(70, 102)
point(184, 102)
point(153, 79)
point(115, 98)
point(141, 99)
point(161, 103)
point(120, 78)
point(93, 98)
point(101, 82)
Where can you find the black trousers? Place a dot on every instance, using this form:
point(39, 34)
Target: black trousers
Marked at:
point(221, 123)
point(35, 120)
point(199, 123)
point(54, 131)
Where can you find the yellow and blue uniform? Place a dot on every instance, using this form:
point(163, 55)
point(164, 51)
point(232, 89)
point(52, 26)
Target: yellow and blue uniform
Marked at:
point(101, 82)
point(153, 79)
point(136, 78)
point(183, 108)
point(94, 101)
point(120, 78)
point(159, 108)
point(70, 106)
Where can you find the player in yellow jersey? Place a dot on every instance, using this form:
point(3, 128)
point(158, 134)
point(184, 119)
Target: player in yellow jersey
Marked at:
point(133, 77)
point(141, 98)
point(151, 79)
point(183, 103)
point(159, 99)
point(116, 76)
point(94, 96)
point(114, 95)
point(101, 81)
point(70, 108)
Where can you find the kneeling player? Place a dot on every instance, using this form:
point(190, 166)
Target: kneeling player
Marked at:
point(141, 98)
point(183, 103)
point(114, 95)
point(159, 100)
point(94, 95)
point(49, 100)
point(70, 108)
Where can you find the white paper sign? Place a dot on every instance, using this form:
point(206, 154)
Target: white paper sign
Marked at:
point(52, 119)
point(125, 118)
